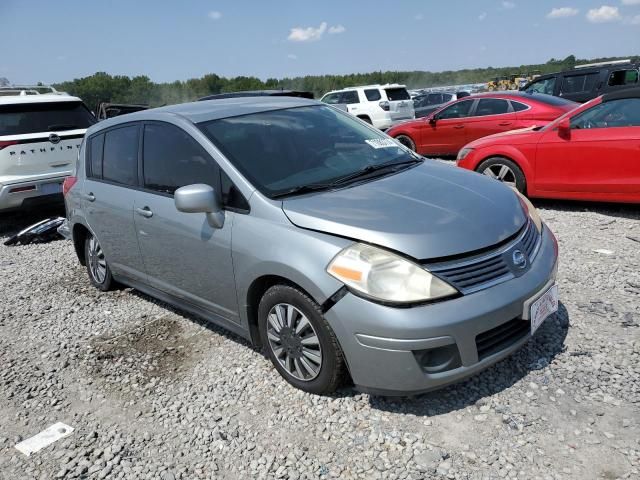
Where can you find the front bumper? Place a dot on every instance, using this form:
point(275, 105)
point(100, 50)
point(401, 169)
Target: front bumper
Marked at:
point(383, 345)
point(31, 193)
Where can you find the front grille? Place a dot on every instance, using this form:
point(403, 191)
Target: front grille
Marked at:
point(478, 272)
point(501, 337)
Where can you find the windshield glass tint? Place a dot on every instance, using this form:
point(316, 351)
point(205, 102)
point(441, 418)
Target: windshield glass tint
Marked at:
point(283, 149)
point(24, 118)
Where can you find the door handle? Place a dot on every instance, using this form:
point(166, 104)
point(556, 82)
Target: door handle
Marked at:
point(90, 197)
point(458, 127)
point(145, 212)
point(504, 124)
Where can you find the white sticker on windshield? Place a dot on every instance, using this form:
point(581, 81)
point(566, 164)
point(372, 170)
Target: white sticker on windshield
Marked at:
point(382, 143)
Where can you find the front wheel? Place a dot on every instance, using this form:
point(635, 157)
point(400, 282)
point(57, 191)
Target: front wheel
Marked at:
point(407, 142)
point(299, 341)
point(504, 170)
point(97, 266)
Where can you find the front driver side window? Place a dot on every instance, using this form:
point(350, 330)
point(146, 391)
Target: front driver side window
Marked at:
point(172, 159)
point(457, 110)
point(542, 86)
point(616, 113)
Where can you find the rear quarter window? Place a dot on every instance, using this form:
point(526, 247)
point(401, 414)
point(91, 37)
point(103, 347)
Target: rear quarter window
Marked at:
point(95, 150)
point(372, 94)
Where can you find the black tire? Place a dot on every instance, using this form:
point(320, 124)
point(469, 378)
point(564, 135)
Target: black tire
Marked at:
point(366, 119)
point(101, 282)
point(406, 141)
point(332, 369)
point(515, 174)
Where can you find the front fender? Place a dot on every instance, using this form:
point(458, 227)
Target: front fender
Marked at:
point(507, 151)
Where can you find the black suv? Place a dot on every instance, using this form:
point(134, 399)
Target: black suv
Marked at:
point(587, 82)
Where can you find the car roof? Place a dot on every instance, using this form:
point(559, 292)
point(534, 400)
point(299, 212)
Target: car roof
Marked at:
point(41, 98)
point(258, 93)
point(632, 92)
point(207, 110)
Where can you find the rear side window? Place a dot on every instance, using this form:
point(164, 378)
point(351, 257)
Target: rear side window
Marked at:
point(171, 159)
point(120, 157)
point(518, 107)
point(349, 97)
point(395, 94)
point(96, 147)
point(23, 118)
point(372, 94)
point(623, 77)
point(579, 83)
point(435, 98)
point(491, 106)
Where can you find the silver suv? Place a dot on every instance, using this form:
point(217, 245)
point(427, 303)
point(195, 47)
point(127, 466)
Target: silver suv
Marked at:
point(320, 238)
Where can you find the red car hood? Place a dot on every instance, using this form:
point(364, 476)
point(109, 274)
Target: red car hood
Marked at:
point(522, 135)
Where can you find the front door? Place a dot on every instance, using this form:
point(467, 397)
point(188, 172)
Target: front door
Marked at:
point(183, 255)
point(447, 135)
point(108, 197)
point(601, 155)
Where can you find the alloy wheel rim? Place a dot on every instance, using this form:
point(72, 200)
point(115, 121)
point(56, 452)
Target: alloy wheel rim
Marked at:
point(294, 342)
point(501, 172)
point(97, 262)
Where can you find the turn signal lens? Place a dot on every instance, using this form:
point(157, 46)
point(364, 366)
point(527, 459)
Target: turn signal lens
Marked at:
point(528, 207)
point(68, 184)
point(385, 276)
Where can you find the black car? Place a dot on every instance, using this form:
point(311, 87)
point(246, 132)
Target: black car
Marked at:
point(426, 103)
point(586, 82)
point(259, 93)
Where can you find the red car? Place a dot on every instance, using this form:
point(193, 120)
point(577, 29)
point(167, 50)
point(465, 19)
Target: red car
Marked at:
point(448, 129)
point(591, 153)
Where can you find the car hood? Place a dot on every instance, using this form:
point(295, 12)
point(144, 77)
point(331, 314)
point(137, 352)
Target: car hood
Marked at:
point(429, 211)
point(520, 135)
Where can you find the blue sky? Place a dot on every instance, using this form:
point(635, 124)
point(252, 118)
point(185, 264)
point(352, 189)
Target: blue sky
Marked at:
point(170, 40)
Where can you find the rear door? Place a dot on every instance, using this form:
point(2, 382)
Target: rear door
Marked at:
point(183, 255)
point(491, 115)
point(602, 155)
point(108, 196)
point(447, 135)
point(400, 103)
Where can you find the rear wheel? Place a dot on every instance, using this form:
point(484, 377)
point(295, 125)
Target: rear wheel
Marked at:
point(504, 170)
point(97, 266)
point(364, 118)
point(299, 341)
point(407, 142)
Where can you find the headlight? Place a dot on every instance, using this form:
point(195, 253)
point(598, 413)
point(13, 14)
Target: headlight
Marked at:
point(463, 153)
point(385, 276)
point(531, 210)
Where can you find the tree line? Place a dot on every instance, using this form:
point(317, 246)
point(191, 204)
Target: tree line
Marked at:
point(140, 89)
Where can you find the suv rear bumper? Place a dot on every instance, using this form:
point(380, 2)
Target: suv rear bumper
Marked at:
point(405, 351)
point(31, 192)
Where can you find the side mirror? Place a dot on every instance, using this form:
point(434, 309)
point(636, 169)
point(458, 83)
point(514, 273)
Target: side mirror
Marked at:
point(200, 198)
point(564, 129)
point(433, 119)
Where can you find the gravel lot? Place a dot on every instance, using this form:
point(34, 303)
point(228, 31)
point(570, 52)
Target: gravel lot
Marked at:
point(154, 393)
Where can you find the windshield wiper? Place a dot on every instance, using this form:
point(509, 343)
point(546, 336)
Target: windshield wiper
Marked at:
point(312, 187)
point(62, 126)
point(366, 171)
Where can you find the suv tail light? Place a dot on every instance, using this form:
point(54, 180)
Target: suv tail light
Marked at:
point(68, 184)
point(385, 105)
point(7, 143)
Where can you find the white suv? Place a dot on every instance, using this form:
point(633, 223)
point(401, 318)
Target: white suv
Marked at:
point(40, 136)
point(379, 105)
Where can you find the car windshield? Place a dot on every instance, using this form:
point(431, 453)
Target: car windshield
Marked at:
point(280, 151)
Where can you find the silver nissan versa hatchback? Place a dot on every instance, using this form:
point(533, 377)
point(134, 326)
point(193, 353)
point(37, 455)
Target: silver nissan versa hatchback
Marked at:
point(306, 231)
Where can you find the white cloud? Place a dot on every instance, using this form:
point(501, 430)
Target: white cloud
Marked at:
point(508, 5)
point(337, 29)
point(308, 34)
point(603, 14)
point(292, 56)
point(482, 16)
point(631, 2)
point(562, 12)
point(214, 15)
